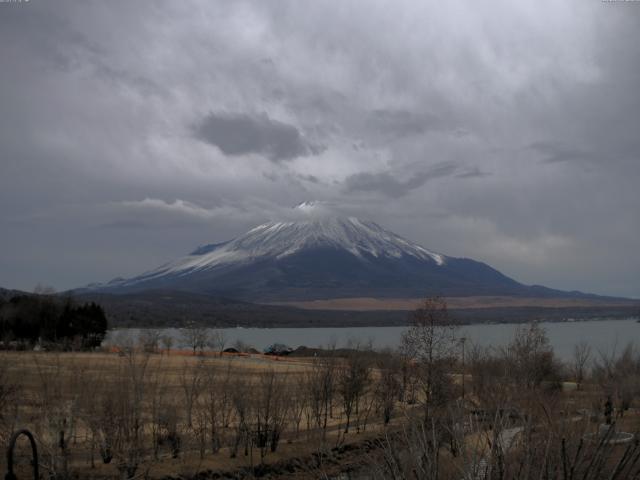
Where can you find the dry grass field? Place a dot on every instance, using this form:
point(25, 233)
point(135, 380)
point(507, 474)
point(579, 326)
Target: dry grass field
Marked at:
point(173, 414)
point(129, 413)
point(410, 304)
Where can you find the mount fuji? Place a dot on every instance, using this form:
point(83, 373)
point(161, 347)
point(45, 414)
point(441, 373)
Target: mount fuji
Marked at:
point(321, 256)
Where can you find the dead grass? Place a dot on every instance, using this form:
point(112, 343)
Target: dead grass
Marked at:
point(64, 375)
point(475, 302)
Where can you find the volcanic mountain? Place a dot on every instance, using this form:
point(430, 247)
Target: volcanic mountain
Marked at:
point(323, 257)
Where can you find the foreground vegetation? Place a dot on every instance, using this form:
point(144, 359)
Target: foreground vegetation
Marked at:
point(50, 321)
point(437, 408)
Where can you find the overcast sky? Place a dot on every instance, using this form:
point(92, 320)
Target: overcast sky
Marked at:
point(508, 132)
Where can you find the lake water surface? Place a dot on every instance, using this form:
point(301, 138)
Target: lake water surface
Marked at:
point(602, 335)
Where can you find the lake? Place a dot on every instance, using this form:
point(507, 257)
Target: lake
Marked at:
point(602, 335)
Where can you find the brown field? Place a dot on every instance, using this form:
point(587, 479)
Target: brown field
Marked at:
point(82, 394)
point(408, 304)
point(134, 414)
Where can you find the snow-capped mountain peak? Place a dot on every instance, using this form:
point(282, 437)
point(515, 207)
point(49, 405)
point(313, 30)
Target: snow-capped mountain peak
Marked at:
point(315, 253)
point(361, 238)
point(277, 240)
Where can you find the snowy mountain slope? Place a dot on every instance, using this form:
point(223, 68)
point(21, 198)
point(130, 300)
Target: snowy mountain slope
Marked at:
point(322, 256)
point(278, 240)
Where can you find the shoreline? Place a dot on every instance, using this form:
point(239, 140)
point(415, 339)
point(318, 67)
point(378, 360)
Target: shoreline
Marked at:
point(635, 318)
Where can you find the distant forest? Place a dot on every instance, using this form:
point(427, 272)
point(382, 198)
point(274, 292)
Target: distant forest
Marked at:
point(53, 321)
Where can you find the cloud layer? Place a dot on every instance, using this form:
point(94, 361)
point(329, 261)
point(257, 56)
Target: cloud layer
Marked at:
point(132, 132)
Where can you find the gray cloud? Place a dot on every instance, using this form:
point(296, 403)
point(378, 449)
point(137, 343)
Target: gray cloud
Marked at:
point(106, 104)
point(387, 184)
point(239, 134)
point(474, 172)
point(309, 178)
point(554, 152)
point(404, 123)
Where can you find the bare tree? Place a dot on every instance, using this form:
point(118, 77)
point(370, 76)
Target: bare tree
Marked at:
point(217, 340)
point(200, 423)
point(158, 407)
point(581, 356)
point(388, 386)
point(298, 401)
point(149, 340)
point(55, 422)
point(9, 390)
point(196, 337)
point(557, 450)
point(530, 357)
point(353, 374)
point(211, 399)
point(123, 416)
point(167, 343)
point(619, 376)
point(431, 343)
point(242, 405)
point(321, 383)
point(191, 380)
point(222, 397)
point(489, 377)
point(269, 412)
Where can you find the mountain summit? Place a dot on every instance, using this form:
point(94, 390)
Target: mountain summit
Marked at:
point(319, 255)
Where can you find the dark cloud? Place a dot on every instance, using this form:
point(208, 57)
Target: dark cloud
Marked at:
point(240, 134)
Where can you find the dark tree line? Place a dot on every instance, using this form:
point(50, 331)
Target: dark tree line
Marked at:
point(53, 320)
